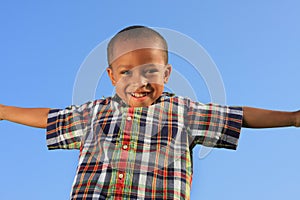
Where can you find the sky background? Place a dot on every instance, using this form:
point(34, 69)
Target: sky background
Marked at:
point(254, 44)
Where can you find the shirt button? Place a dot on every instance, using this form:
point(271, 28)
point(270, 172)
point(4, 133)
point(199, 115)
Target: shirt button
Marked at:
point(125, 146)
point(128, 118)
point(121, 176)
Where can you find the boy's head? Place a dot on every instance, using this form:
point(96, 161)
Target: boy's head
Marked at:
point(138, 65)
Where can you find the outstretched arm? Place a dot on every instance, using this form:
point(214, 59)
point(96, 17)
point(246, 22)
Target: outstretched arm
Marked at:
point(35, 117)
point(261, 118)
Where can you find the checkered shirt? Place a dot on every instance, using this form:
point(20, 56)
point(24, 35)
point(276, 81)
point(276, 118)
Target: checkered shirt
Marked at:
point(139, 152)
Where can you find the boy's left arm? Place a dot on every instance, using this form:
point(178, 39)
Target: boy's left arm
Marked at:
point(261, 118)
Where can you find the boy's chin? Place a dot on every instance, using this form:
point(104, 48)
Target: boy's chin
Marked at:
point(140, 104)
point(141, 101)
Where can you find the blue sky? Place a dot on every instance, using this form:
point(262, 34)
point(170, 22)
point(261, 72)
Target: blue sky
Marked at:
point(255, 46)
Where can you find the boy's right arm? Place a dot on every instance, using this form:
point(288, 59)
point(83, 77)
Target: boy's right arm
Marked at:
point(35, 117)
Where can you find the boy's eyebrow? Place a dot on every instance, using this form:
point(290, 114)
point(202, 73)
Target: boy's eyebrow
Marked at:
point(144, 65)
point(155, 65)
point(150, 65)
point(124, 66)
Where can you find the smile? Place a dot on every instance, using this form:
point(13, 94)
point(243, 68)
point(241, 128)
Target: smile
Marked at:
point(139, 94)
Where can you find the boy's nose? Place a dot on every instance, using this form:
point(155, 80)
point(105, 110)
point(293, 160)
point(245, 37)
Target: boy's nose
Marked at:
point(138, 80)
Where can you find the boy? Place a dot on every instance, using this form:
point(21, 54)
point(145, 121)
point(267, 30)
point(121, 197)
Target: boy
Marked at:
point(137, 144)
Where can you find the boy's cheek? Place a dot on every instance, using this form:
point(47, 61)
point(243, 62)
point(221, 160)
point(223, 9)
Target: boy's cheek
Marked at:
point(119, 91)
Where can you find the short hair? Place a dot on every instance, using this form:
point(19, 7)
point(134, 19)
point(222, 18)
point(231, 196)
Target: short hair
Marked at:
point(136, 32)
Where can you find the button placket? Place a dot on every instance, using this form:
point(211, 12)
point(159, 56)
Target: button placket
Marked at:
point(125, 146)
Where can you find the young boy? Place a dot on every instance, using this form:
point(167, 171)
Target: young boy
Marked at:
point(137, 144)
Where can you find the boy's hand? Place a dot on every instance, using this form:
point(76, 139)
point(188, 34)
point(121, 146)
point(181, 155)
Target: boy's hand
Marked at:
point(297, 118)
point(1, 115)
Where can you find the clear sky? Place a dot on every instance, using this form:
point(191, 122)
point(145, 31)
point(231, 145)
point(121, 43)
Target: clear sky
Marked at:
point(255, 46)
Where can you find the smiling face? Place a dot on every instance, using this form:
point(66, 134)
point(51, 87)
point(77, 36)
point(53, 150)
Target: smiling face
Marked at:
point(139, 74)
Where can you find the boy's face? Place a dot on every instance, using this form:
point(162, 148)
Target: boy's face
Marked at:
point(138, 74)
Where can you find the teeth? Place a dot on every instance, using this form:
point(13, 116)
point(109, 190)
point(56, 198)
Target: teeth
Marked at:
point(138, 95)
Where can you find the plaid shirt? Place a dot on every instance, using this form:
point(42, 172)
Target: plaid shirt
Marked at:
point(139, 152)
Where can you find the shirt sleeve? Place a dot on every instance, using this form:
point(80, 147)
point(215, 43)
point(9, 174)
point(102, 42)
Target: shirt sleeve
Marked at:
point(66, 127)
point(214, 125)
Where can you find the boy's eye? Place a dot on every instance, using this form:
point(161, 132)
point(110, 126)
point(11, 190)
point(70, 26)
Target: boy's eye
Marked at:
point(125, 72)
point(150, 71)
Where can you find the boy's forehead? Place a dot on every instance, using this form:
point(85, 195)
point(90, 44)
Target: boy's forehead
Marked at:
point(122, 47)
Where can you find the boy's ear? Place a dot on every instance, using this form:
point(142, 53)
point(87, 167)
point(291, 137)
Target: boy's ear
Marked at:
point(168, 70)
point(111, 76)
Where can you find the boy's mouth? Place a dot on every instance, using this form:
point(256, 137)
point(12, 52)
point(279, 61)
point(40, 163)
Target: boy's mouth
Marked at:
point(139, 94)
